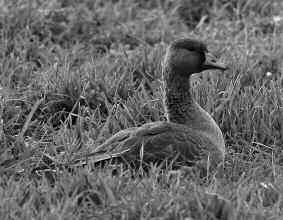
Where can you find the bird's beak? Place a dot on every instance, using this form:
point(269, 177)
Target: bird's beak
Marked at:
point(211, 63)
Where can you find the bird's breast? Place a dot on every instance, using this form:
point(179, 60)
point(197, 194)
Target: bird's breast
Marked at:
point(207, 125)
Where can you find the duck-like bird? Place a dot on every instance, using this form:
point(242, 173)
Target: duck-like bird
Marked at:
point(189, 134)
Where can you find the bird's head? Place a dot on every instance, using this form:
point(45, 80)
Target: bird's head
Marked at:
point(187, 56)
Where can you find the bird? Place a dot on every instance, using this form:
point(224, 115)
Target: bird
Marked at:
point(189, 135)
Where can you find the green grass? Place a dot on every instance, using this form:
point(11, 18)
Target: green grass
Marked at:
point(72, 73)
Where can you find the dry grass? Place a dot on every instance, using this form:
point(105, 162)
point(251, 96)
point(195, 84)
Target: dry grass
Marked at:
point(74, 72)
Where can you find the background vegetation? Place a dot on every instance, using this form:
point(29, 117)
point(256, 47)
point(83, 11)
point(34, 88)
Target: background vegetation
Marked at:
point(73, 72)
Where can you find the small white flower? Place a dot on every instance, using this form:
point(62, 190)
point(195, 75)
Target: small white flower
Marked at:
point(277, 19)
point(44, 12)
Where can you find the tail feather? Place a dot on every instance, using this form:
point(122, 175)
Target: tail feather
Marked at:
point(107, 156)
point(111, 143)
point(121, 143)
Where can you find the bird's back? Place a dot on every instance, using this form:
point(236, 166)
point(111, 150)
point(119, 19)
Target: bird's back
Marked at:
point(157, 141)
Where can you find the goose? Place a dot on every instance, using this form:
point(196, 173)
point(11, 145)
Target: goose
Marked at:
point(189, 135)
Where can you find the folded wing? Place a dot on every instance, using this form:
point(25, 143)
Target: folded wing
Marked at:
point(157, 141)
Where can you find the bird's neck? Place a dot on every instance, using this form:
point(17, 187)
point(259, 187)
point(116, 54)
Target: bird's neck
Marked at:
point(180, 106)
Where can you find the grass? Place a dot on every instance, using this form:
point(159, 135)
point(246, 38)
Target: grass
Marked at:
point(75, 72)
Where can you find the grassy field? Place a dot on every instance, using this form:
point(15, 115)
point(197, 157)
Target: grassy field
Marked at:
point(74, 72)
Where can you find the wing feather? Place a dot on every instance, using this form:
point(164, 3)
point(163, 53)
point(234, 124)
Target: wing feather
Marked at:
point(160, 140)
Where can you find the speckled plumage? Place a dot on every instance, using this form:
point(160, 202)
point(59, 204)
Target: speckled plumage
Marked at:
point(190, 134)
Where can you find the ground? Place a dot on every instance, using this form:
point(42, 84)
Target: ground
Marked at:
point(75, 72)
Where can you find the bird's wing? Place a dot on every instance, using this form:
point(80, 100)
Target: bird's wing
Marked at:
point(157, 140)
